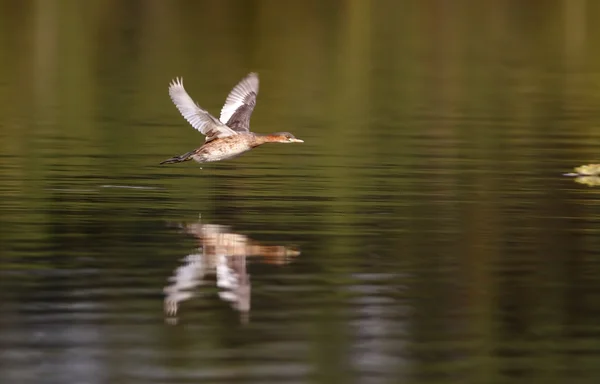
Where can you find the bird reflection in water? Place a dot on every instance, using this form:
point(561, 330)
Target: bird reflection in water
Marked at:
point(222, 254)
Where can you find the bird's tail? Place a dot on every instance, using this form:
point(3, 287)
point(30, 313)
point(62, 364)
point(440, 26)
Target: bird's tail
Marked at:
point(179, 159)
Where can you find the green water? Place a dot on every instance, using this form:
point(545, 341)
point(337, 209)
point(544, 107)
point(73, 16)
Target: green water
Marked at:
point(422, 233)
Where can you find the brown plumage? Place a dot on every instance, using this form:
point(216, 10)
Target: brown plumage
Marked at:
point(230, 135)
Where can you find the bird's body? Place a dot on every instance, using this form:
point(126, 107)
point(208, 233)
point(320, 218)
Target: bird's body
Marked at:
point(230, 135)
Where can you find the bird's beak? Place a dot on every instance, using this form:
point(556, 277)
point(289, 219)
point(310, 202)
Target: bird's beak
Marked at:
point(297, 141)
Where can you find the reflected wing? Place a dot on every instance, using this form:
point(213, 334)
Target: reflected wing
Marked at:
point(240, 103)
point(186, 277)
point(234, 280)
point(196, 116)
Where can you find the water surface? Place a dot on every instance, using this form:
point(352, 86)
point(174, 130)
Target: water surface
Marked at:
point(423, 233)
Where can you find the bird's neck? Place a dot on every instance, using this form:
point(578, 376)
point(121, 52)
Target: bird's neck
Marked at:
point(261, 139)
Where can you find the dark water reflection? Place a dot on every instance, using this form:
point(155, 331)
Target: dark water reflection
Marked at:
point(423, 233)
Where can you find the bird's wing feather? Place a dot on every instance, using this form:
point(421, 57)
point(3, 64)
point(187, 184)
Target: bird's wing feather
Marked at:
point(240, 103)
point(196, 116)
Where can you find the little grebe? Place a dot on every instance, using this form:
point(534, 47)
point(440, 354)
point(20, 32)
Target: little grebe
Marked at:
point(229, 136)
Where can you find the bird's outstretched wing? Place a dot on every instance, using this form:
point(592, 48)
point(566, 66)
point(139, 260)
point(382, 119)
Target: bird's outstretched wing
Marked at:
point(240, 103)
point(196, 116)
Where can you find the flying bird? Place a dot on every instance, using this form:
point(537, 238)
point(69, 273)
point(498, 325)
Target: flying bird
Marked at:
point(230, 135)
